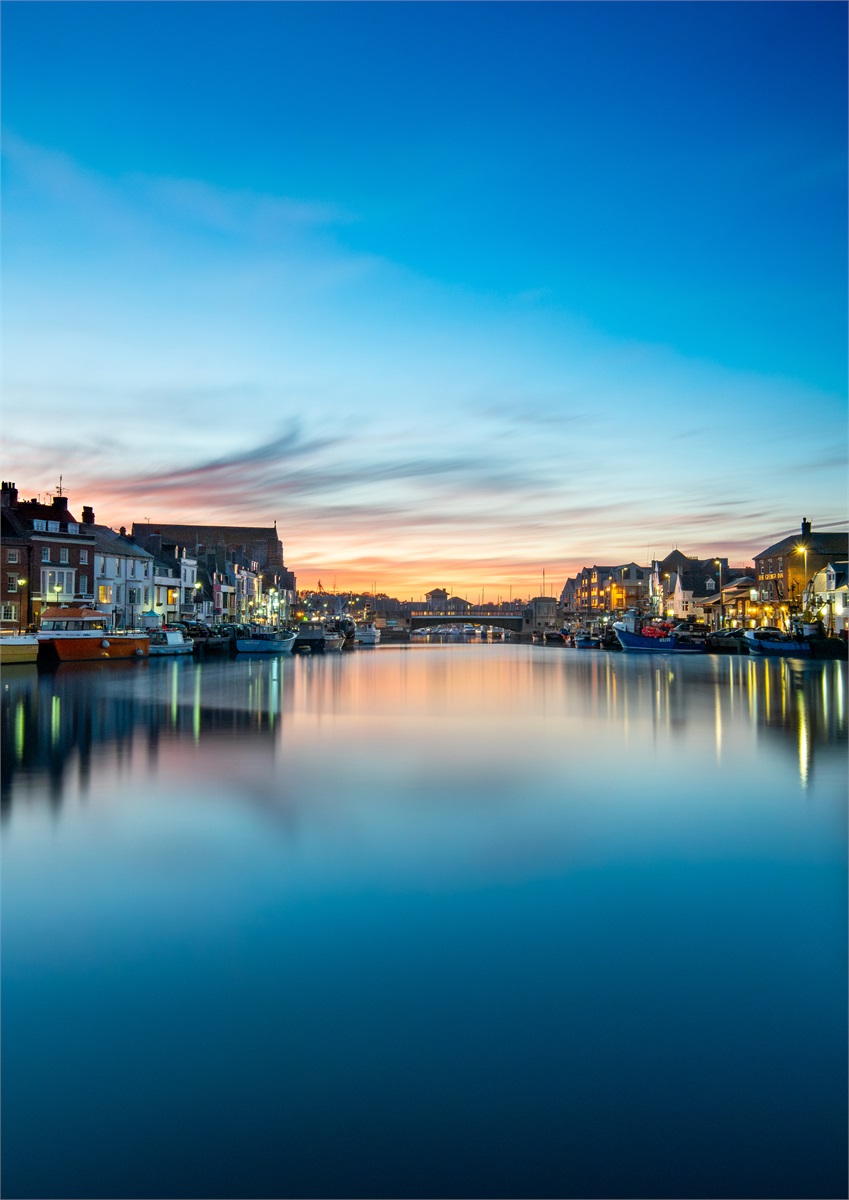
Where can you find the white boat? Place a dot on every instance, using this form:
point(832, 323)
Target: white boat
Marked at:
point(262, 641)
point(368, 634)
point(169, 641)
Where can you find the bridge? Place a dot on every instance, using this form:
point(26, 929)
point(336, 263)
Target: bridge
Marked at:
point(423, 620)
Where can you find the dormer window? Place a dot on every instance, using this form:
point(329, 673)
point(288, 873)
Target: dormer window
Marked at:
point(73, 527)
point(710, 585)
point(52, 526)
point(40, 526)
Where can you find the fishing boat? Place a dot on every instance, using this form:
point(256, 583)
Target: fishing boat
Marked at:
point(168, 642)
point(368, 634)
point(650, 635)
point(83, 635)
point(773, 643)
point(18, 648)
point(585, 640)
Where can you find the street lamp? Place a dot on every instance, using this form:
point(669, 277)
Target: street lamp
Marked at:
point(22, 583)
point(804, 550)
point(721, 609)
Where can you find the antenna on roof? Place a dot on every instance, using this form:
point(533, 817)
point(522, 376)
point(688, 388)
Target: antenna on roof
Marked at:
point(59, 491)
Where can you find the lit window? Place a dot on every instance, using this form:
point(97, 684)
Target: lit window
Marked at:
point(104, 594)
point(52, 526)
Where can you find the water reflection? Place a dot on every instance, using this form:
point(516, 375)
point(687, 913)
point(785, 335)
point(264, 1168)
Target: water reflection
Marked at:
point(53, 724)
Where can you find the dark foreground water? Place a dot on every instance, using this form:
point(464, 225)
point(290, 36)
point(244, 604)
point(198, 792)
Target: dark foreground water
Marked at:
point(490, 920)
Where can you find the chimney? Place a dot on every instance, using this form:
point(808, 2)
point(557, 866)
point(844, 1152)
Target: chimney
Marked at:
point(60, 503)
point(88, 515)
point(9, 495)
point(123, 531)
point(806, 528)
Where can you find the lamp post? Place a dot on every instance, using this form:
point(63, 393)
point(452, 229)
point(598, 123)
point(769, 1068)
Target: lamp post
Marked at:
point(804, 550)
point(22, 583)
point(718, 562)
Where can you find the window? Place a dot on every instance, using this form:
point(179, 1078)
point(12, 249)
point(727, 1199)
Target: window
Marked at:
point(104, 594)
point(102, 565)
point(769, 567)
point(83, 585)
point(10, 612)
point(117, 595)
point(134, 595)
point(83, 556)
point(52, 526)
point(56, 585)
point(781, 564)
point(63, 554)
point(73, 527)
point(117, 566)
point(132, 566)
point(710, 585)
point(41, 526)
point(12, 582)
point(11, 556)
point(45, 554)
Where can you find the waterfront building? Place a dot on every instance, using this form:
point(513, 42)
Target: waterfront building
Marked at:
point(47, 557)
point(827, 596)
point(785, 570)
point(123, 575)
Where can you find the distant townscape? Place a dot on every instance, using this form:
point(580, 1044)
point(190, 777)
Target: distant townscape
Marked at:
point(221, 573)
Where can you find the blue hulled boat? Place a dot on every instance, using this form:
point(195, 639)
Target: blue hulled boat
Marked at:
point(636, 633)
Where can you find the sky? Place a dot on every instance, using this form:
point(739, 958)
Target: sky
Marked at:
point(457, 293)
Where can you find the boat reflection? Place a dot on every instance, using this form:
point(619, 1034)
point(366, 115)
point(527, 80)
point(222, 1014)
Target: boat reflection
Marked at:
point(485, 712)
point(53, 724)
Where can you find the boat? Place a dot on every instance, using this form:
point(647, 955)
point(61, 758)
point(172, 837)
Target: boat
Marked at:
point(773, 643)
point(368, 634)
point(584, 640)
point(469, 630)
point(83, 635)
point(18, 648)
point(169, 641)
point(317, 637)
point(554, 637)
point(345, 625)
point(650, 635)
point(264, 641)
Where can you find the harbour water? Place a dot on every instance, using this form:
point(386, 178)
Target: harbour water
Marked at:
point(438, 920)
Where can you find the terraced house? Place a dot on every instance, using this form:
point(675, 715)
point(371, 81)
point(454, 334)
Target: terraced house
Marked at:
point(48, 557)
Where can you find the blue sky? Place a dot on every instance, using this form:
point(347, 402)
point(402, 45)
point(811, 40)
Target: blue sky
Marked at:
point(455, 292)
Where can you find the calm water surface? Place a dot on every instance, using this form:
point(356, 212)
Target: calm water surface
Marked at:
point(461, 920)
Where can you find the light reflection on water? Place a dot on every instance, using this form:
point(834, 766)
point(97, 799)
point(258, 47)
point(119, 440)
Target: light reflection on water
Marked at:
point(427, 920)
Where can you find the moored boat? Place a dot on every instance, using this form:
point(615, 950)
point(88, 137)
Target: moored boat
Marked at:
point(168, 642)
point(18, 648)
point(368, 634)
point(773, 643)
point(639, 634)
point(317, 637)
point(82, 635)
point(272, 641)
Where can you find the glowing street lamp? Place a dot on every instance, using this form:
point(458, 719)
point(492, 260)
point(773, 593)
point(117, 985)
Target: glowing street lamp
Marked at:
point(721, 609)
point(804, 550)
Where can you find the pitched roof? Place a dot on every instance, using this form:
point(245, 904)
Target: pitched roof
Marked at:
point(816, 542)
